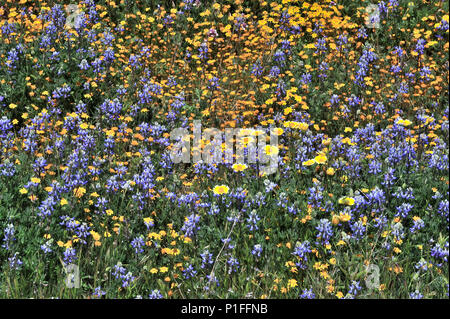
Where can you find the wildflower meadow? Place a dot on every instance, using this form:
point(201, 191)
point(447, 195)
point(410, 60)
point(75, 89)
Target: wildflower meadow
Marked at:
point(224, 149)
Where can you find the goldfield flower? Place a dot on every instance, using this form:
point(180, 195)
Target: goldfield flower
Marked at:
point(221, 189)
point(296, 125)
point(278, 131)
point(345, 217)
point(320, 159)
point(79, 192)
point(287, 110)
point(239, 167)
point(404, 122)
point(350, 201)
point(309, 162)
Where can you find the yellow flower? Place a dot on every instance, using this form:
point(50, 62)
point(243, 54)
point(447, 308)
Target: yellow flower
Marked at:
point(163, 269)
point(84, 126)
point(404, 122)
point(63, 201)
point(148, 221)
point(347, 201)
point(35, 180)
point(320, 159)
point(271, 150)
point(110, 133)
point(95, 235)
point(326, 142)
point(269, 101)
point(341, 243)
point(68, 244)
point(153, 270)
point(344, 217)
point(303, 126)
point(278, 131)
point(79, 192)
point(292, 283)
point(308, 163)
point(339, 294)
point(221, 189)
point(296, 125)
point(330, 171)
point(287, 110)
point(12, 106)
point(287, 124)
point(23, 191)
point(239, 167)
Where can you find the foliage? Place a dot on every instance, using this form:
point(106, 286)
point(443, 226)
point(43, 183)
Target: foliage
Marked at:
point(86, 111)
